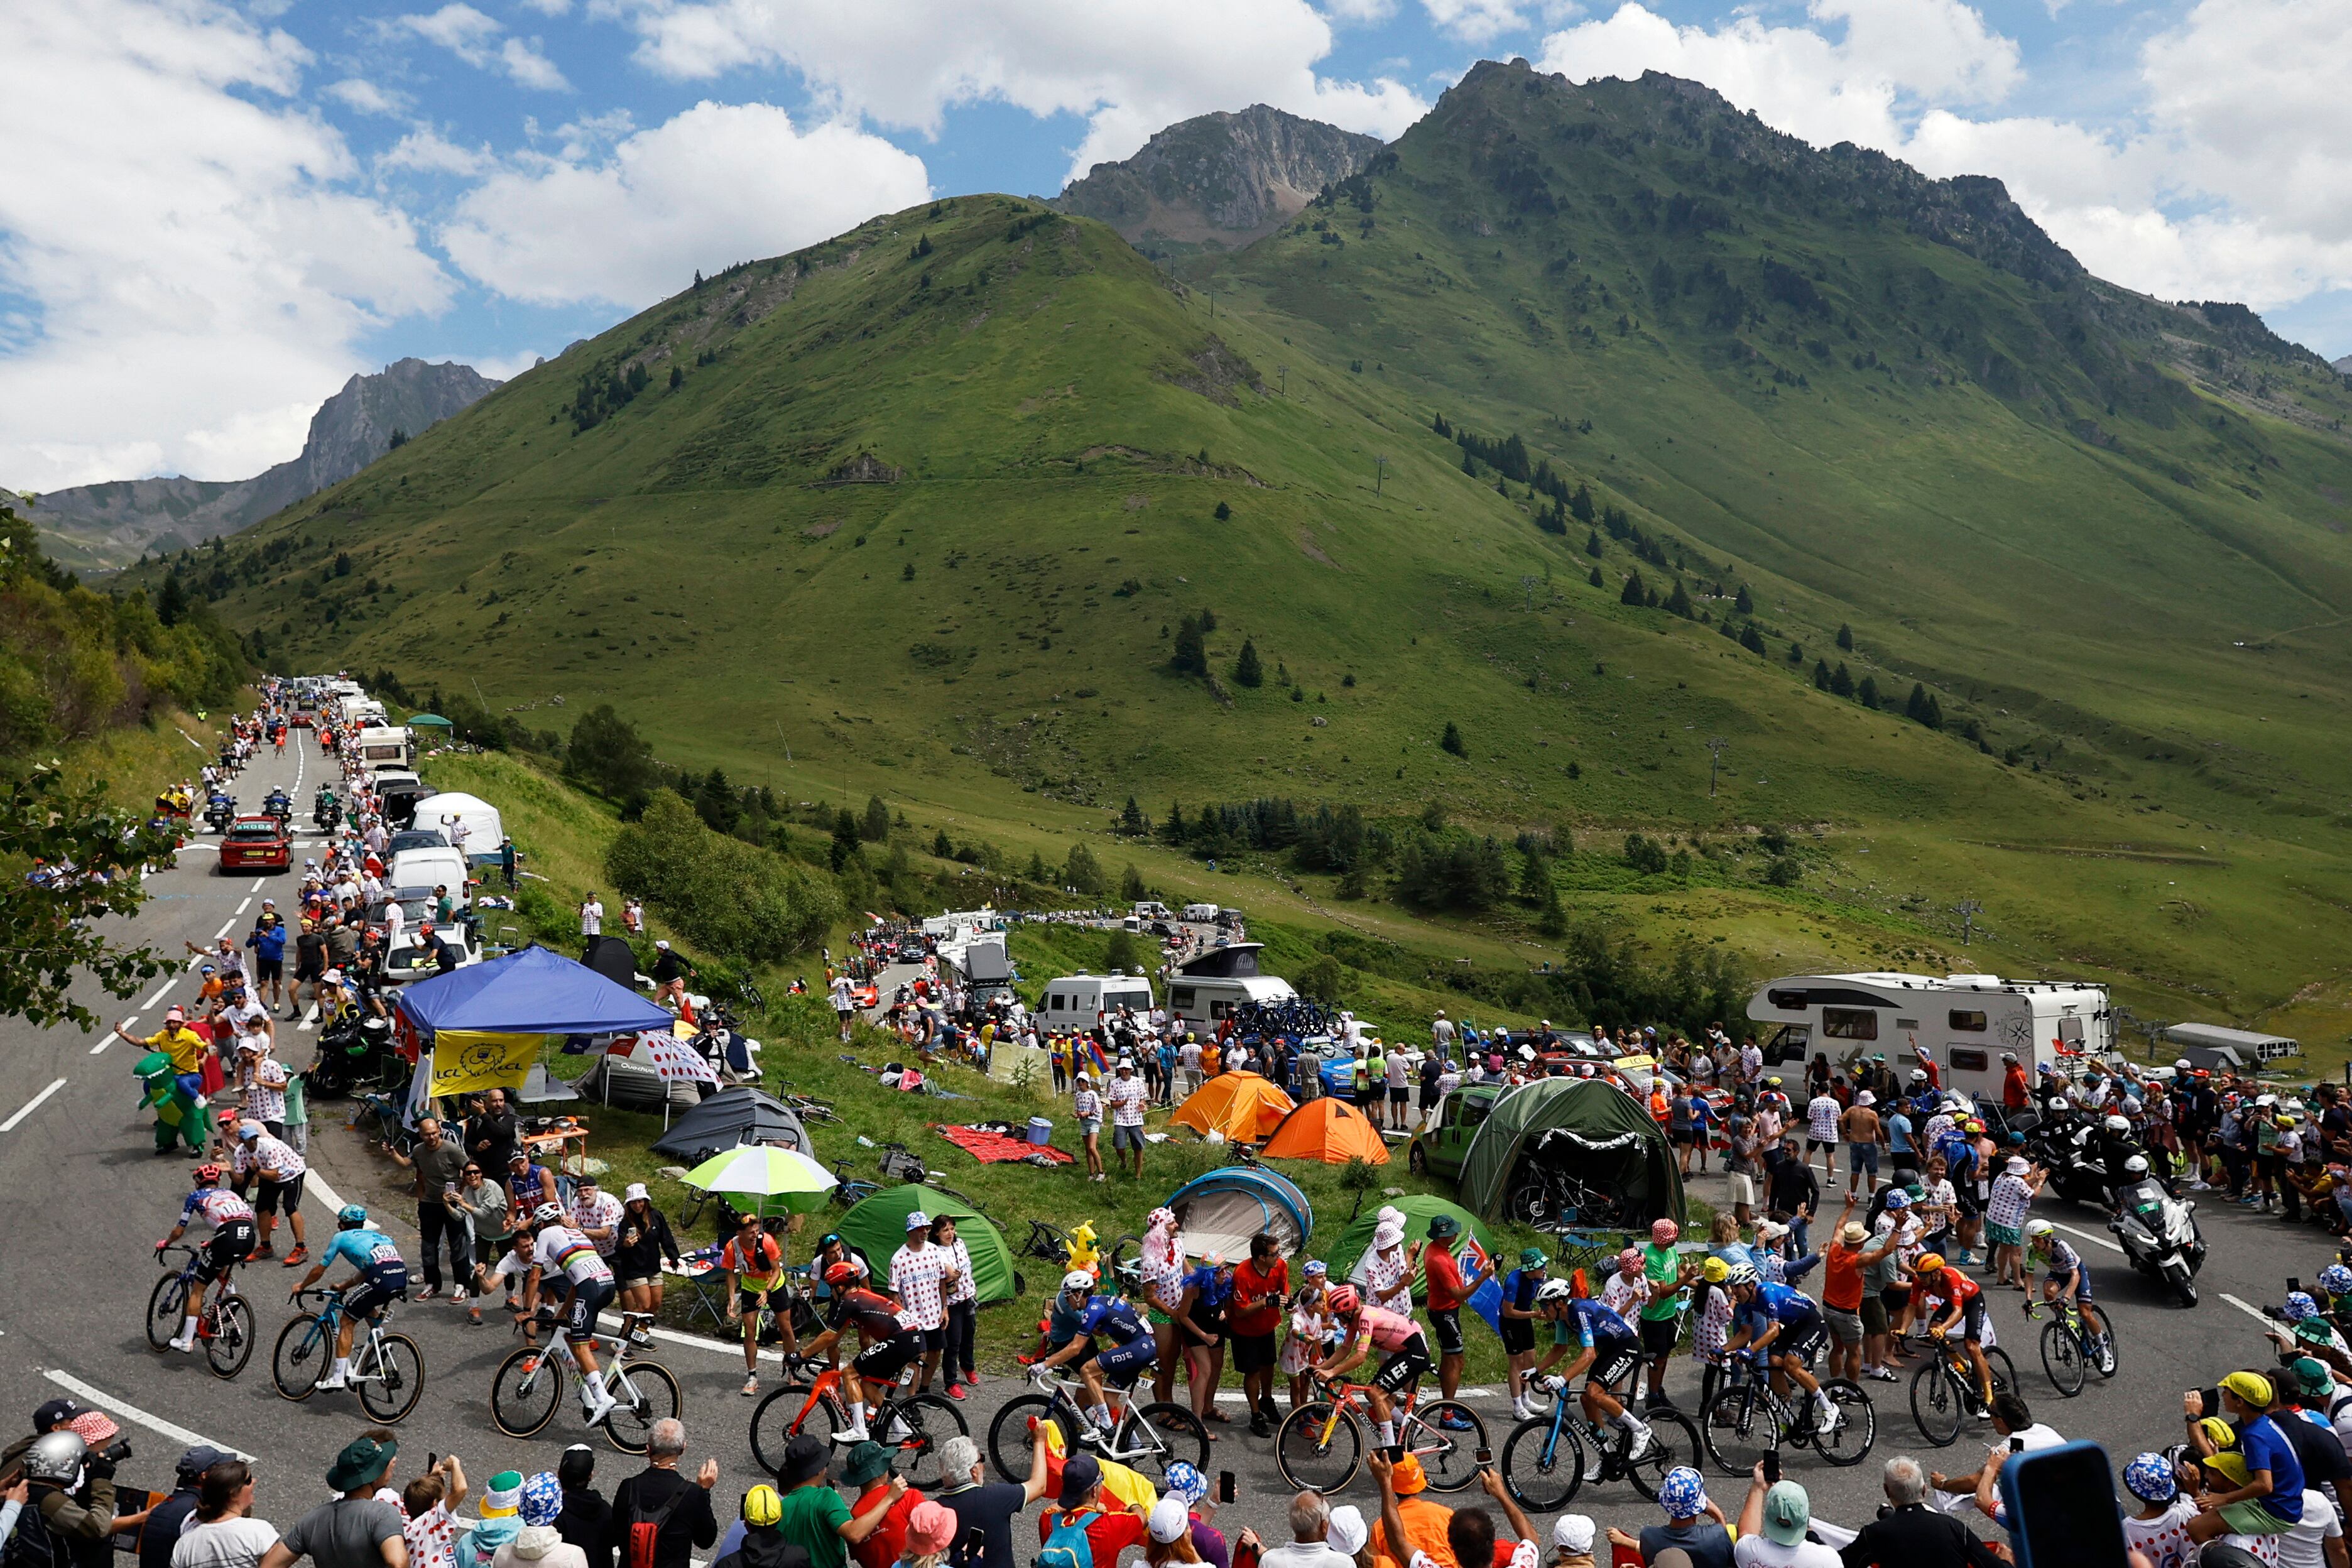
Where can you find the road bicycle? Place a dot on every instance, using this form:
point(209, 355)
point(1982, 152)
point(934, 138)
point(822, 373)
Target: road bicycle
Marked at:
point(807, 1106)
point(387, 1370)
point(224, 1328)
point(527, 1388)
point(1945, 1394)
point(1745, 1419)
point(1548, 1457)
point(2070, 1351)
point(1543, 1198)
point(912, 1425)
point(1146, 1437)
point(1319, 1445)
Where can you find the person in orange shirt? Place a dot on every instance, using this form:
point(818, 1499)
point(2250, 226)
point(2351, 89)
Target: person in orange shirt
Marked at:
point(1415, 1532)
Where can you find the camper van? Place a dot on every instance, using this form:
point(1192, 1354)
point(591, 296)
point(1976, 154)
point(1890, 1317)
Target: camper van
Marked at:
point(1203, 990)
point(387, 746)
point(1966, 1022)
point(1081, 1001)
point(1200, 913)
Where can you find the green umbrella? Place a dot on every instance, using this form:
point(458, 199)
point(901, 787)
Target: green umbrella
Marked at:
point(781, 1181)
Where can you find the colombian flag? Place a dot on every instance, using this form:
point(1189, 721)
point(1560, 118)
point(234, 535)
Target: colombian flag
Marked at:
point(1090, 1050)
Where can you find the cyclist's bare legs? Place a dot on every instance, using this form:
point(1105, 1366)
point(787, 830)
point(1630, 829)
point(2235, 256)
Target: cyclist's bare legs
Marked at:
point(1983, 1369)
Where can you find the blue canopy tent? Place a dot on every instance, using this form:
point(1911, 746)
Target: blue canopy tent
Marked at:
point(1228, 1207)
point(486, 1025)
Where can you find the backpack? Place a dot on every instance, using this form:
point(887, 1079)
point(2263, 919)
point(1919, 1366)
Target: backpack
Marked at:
point(1069, 1546)
point(643, 1529)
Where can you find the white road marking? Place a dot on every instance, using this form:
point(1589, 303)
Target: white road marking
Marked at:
point(314, 1183)
point(2088, 1236)
point(257, 884)
point(32, 1105)
point(243, 904)
point(108, 1038)
point(2256, 1313)
point(164, 991)
point(224, 930)
point(131, 1412)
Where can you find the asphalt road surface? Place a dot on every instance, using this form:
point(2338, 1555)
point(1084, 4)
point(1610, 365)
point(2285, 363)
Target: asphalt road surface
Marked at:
point(90, 1199)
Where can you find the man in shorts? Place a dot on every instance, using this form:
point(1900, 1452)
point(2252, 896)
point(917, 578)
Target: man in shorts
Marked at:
point(382, 1278)
point(280, 1191)
point(1363, 1327)
point(1662, 1277)
point(1126, 1095)
point(1946, 1298)
point(1447, 1293)
point(1741, 1164)
point(1861, 1129)
point(1517, 1317)
point(1110, 1342)
point(1779, 1324)
point(1607, 1348)
point(890, 1346)
point(1253, 1315)
point(230, 1243)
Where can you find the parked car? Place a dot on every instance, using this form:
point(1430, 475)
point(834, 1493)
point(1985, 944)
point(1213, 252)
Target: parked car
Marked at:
point(257, 842)
point(418, 838)
point(413, 961)
point(1440, 1151)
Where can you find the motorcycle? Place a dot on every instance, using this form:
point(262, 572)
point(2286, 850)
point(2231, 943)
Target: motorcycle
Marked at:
point(279, 806)
point(2159, 1236)
point(326, 813)
point(219, 812)
point(355, 1052)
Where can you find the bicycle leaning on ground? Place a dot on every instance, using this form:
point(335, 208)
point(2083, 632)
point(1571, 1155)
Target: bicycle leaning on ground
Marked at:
point(1146, 1437)
point(387, 1369)
point(1319, 1444)
point(224, 1328)
point(527, 1388)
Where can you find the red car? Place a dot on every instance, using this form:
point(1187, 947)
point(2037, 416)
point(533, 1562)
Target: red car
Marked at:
point(256, 844)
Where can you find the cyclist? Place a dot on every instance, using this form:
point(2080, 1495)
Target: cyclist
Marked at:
point(1936, 1287)
point(1607, 1348)
point(2065, 1274)
point(381, 1279)
point(890, 1345)
point(230, 1244)
point(1362, 1327)
point(588, 1289)
point(1090, 1320)
point(1784, 1329)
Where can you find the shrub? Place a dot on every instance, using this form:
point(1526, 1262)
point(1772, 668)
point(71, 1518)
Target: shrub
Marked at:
point(722, 894)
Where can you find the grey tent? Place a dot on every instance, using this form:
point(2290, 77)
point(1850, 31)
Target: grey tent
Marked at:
point(613, 959)
point(734, 1116)
point(616, 1081)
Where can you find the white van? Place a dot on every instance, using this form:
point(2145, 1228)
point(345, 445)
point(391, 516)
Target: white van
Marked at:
point(1205, 991)
point(1966, 1021)
point(1200, 911)
point(387, 746)
point(430, 866)
point(1150, 910)
point(1081, 1001)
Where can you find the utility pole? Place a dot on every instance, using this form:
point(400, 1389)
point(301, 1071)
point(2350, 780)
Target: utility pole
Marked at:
point(1528, 587)
point(1715, 748)
point(1968, 909)
point(1380, 473)
point(1283, 371)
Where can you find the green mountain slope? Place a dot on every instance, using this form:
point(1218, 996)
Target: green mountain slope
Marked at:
point(922, 510)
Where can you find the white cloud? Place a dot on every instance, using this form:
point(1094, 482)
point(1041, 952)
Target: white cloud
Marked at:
point(1359, 12)
point(426, 150)
point(182, 263)
point(355, 92)
point(715, 184)
point(1127, 67)
point(1473, 21)
point(469, 34)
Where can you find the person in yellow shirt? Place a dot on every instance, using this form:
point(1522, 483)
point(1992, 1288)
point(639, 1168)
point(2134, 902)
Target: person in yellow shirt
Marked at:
point(182, 1044)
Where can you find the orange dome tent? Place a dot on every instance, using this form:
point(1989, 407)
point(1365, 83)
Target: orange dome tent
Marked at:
point(1328, 1130)
point(1241, 1106)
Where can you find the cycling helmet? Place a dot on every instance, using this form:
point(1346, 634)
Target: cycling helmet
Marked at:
point(2137, 1165)
point(2116, 1124)
point(841, 1273)
point(2299, 1306)
point(2039, 1230)
point(2336, 1279)
point(548, 1214)
point(351, 1217)
point(1554, 1291)
point(1930, 1263)
point(1742, 1274)
point(1342, 1300)
point(1076, 1279)
point(207, 1174)
point(56, 1457)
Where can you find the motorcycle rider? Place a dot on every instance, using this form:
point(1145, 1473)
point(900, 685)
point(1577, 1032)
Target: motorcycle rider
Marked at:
point(2110, 1152)
point(67, 1520)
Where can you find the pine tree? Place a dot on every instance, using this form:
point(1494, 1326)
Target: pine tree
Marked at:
point(1469, 463)
point(1914, 707)
point(1580, 505)
point(1934, 718)
point(1841, 682)
point(1551, 919)
point(1441, 427)
point(676, 378)
point(1132, 822)
point(1131, 885)
point(1796, 654)
point(1037, 872)
point(942, 845)
point(1679, 602)
point(1636, 594)
point(1821, 674)
point(1534, 877)
point(1592, 542)
point(1845, 639)
point(1451, 741)
point(1595, 579)
point(1751, 639)
point(1191, 655)
point(1868, 692)
point(1171, 830)
point(1247, 672)
point(1745, 603)
point(1223, 512)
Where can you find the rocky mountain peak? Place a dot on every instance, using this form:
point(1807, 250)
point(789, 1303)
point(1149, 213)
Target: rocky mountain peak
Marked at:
point(1218, 181)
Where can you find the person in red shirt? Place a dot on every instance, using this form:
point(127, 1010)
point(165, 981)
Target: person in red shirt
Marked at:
point(1447, 1290)
point(1110, 1529)
point(1252, 1316)
point(868, 1470)
point(2015, 1093)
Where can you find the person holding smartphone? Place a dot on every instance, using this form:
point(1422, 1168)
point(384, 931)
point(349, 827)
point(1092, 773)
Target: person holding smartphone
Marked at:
point(1772, 1525)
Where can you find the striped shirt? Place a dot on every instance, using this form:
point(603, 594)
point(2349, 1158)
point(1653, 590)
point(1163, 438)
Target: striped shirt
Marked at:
point(570, 1252)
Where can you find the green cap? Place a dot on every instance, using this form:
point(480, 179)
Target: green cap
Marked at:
point(1443, 1224)
point(1533, 1258)
point(2315, 1329)
point(2311, 1375)
point(1787, 1511)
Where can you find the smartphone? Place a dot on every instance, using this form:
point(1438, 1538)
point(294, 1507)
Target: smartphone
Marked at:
point(1227, 1487)
point(2061, 1507)
point(2293, 1284)
point(1772, 1466)
point(1485, 1456)
point(2016, 1445)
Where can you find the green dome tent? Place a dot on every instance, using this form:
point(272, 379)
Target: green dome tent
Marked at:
point(1419, 1209)
point(878, 1227)
point(1611, 1136)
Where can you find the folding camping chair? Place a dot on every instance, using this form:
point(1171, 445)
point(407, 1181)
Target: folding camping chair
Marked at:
point(706, 1282)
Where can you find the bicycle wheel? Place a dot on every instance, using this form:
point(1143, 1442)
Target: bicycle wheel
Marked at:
point(776, 1418)
point(166, 1304)
point(1448, 1454)
point(913, 1430)
point(1737, 1427)
point(1938, 1408)
point(525, 1391)
point(1009, 1446)
point(1849, 1443)
point(1318, 1448)
point(2003, 1370)
point(1672, 1441)
point(1543, 1464)
point(656, 1399)
point(301, 1357)
point(395, 1381)
point(2062, 1357)
point(231, 1344)
point(1157, 1436)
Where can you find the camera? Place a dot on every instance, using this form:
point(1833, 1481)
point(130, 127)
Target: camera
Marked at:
point(114, 1453)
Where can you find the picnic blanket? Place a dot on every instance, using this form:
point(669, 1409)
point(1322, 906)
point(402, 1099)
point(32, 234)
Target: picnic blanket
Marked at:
point(993, 1143)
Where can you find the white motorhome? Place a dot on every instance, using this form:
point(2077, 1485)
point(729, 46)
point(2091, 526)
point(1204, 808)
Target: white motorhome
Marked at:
point(1966, 1022)
point(1204, 990)
point(1081, 1001)
point(386, 746)
point(1200, 913)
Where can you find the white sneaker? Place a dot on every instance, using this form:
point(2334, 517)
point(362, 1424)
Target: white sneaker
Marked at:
point(1520, 1412)
point(601, 1409)
point(851, 1439)
point(1639, 1445)
point(456, 1296)
point(1826, 1417)
point(333, 1379)
point(182, 1346)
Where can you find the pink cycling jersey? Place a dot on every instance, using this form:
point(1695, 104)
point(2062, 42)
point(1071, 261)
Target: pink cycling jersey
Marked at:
point(1389, 1331)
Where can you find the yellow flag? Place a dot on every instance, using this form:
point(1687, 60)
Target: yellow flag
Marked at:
point(467, 1060)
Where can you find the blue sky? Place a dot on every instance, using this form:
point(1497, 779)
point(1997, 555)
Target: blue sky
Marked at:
point(213, 211)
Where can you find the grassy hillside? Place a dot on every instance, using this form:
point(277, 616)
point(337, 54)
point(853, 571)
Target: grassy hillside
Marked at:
point(922, 511)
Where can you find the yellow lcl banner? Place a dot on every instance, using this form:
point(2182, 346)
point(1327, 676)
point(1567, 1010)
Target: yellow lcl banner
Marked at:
point(466, 1061)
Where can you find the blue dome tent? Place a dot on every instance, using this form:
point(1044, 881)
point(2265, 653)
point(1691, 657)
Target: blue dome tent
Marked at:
point(1229, 1205)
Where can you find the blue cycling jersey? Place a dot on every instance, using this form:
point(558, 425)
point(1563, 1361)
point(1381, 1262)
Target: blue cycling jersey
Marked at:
point(366, 1248)
point(1593, 1322)
point(1778, 1304)
point(1112, 1318)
